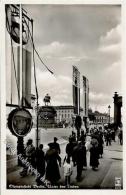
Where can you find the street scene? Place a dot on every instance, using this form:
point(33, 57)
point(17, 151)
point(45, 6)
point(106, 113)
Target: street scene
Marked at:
point(110, 166)
point(64, 126)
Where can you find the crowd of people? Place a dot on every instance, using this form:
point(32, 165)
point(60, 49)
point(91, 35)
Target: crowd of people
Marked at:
point(47, 163)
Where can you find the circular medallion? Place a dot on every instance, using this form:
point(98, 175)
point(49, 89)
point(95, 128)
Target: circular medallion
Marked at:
point(20, 122)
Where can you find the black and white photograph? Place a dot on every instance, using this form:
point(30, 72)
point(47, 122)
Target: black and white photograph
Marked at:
point(64, 97)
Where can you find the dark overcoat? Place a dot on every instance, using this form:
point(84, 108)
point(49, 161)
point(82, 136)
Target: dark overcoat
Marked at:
point(94, 156)
point(40, 162)
point(52, 168)
point(79, 153)
point(100, 144)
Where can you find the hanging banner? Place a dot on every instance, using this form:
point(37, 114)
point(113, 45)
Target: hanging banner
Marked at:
point(85, 96)
point(20, 122)
point(76, 90)
point(13, 24)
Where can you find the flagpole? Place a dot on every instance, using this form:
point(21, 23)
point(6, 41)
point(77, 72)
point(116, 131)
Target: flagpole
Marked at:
point(20, 79)
point(20, 140)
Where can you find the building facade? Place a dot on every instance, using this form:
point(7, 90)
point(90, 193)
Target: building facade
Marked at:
point(64, 113)
point(99, 118)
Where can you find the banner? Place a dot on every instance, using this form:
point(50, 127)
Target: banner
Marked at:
point(76, 90)
point(85, 96)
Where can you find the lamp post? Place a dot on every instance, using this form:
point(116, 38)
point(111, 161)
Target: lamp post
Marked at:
point(109, 107)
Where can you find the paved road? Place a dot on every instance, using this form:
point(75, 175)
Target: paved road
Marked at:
point(46, 135)
point(110, 166)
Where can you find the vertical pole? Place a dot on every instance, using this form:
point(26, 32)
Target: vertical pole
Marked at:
point(37, 130)
point(78, 92)
point(109, 112)
point(20, 79)
point(20, 140)
point(37, 117)
point(11, 77)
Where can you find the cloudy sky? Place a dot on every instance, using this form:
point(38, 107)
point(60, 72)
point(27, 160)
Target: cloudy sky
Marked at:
point(87, 36)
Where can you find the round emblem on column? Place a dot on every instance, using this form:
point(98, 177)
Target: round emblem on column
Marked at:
point(20, 122)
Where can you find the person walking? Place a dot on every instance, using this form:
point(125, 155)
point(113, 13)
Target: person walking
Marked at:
point(100, 144)
point(30, 158)
point(69, 148)
point(113, 134)
point(53, 161)
point(30, 153)
point(55, 145)
point(94, 153)
point(67, 172)
point(73, 136)
point(40, 164)
point(82, 136)
point(80, 159)
point(108, 138)
point(120, 136)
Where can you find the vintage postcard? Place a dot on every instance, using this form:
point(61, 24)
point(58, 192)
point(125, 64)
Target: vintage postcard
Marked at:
point(62, 97)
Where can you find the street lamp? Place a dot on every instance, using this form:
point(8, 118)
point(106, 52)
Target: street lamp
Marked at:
point(109, 107)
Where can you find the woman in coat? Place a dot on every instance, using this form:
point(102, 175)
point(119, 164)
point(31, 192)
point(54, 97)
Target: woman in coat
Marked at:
point(94, 154)
point(53, 161)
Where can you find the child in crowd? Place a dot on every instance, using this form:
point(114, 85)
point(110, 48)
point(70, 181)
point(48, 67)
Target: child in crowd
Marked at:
point(67, 172)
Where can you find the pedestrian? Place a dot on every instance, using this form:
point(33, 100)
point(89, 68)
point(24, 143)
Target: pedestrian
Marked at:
point(40, 164)
point(120, 136)
point(113, 135)
point(100, 144)
point(80, 159)
point(94, 154)
point(82, 136)
point(108, 138)
point(69, 148)
point(53, 161)
point(30, 153)
point(105, 135)
point(73, 136)
point(30, 158)
point(55, 145)
point(67, 172)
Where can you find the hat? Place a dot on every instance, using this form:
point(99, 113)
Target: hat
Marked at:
point(50, 144)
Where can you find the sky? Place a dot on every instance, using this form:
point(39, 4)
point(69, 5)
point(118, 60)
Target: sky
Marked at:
point(87, 36)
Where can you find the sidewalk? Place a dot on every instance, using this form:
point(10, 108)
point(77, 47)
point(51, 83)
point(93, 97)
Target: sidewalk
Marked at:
point(110, 167)
point(12, 163)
